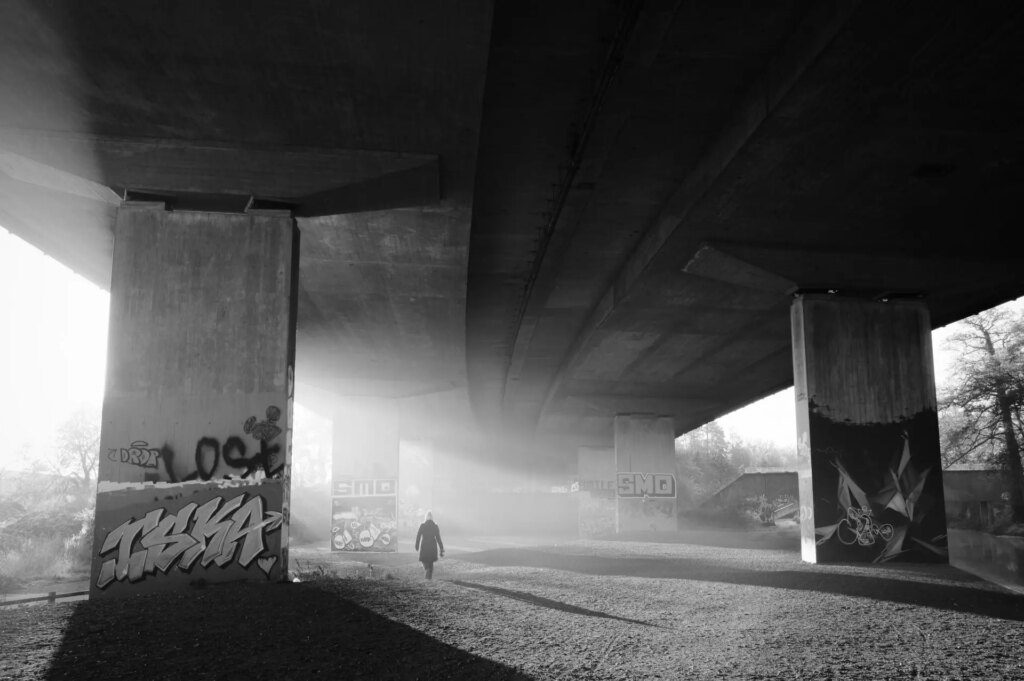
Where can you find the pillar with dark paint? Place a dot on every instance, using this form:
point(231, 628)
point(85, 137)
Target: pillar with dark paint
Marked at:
point(195, 446)
point(645, 473)
point(364, 503)
point(870, 472)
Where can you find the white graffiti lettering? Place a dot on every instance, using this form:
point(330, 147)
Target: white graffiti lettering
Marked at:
point(641, 485)
point(214, 531)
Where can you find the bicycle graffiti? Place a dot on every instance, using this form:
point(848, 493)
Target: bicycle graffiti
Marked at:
point(859, 527)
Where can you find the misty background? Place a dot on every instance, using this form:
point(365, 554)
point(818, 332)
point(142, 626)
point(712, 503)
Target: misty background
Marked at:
point(53, 337)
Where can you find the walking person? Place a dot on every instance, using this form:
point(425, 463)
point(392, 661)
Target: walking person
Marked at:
point(428, 541)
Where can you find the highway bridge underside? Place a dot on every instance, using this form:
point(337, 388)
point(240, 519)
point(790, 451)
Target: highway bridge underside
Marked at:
point(545, 238)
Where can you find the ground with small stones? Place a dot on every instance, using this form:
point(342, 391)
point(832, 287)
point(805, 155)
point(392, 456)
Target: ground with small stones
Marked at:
point(707, 605)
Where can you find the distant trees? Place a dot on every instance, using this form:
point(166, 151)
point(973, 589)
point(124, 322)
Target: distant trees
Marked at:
point(980, 410)
point(707, 459)
point(78, 449)
point(63, 472)
point(46, 514)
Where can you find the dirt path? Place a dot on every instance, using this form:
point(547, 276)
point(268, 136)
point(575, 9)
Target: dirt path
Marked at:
point(577, 610)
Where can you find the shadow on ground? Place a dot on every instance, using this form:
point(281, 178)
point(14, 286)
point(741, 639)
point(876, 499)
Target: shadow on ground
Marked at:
point(967, 596)
point(254, 631)
point(547, 602)
point(781, 538)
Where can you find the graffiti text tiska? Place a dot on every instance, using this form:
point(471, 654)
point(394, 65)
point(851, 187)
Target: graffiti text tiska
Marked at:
point(211, 534)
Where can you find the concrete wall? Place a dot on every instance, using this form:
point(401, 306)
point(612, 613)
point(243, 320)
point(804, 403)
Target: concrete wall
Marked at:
point(196, 434)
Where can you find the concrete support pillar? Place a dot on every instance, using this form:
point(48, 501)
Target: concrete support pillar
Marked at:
point(195, 448)
point(364, 504)
point(870, 474)
point(645, 473)
point(595, 490)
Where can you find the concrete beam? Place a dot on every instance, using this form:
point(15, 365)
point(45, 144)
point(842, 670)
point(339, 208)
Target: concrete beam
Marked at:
point(819, 28)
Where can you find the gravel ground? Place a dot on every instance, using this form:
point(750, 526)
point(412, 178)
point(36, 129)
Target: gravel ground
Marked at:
point(580, 609)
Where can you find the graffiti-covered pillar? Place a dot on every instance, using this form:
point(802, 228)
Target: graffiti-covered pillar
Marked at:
point(197, 413)
point(870, 474)
point(645, 480)
point(364, 503)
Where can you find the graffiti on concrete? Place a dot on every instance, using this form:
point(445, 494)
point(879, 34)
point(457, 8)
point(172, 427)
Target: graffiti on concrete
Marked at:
point(219, 532)
point(597, 526)
point(363, 529)
point(596, 513)
point(267, 430)
point(643, 486)
point(349, 487)
point(605, 487)
point(367, 521)
point(859, 527)
point(138, 453)
point(233, 456)
point(655, 509)
point(892, 516)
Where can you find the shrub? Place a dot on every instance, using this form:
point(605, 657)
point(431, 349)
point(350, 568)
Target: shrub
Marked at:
point(8, 584)
point(46, 544)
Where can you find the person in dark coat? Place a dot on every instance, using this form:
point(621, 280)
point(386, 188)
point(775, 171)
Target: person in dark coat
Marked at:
point(428, 540)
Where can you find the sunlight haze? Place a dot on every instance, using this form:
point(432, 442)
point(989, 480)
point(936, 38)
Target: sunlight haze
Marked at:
point(53, 356)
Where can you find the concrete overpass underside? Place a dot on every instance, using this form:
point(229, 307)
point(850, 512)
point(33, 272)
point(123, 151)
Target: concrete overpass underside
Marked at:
point(523, 218)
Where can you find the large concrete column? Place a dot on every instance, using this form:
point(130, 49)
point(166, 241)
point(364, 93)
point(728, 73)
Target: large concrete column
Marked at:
point(197, 415)
point(870, 473)
point(645, 484)
point(364, 504)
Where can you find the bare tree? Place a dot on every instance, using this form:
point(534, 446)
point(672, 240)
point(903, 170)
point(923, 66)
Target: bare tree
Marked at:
point(78, 449)
point(981, 409)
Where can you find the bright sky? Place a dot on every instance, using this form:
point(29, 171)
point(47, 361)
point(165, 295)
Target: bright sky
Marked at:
point(774, 418)
point(53, 339)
